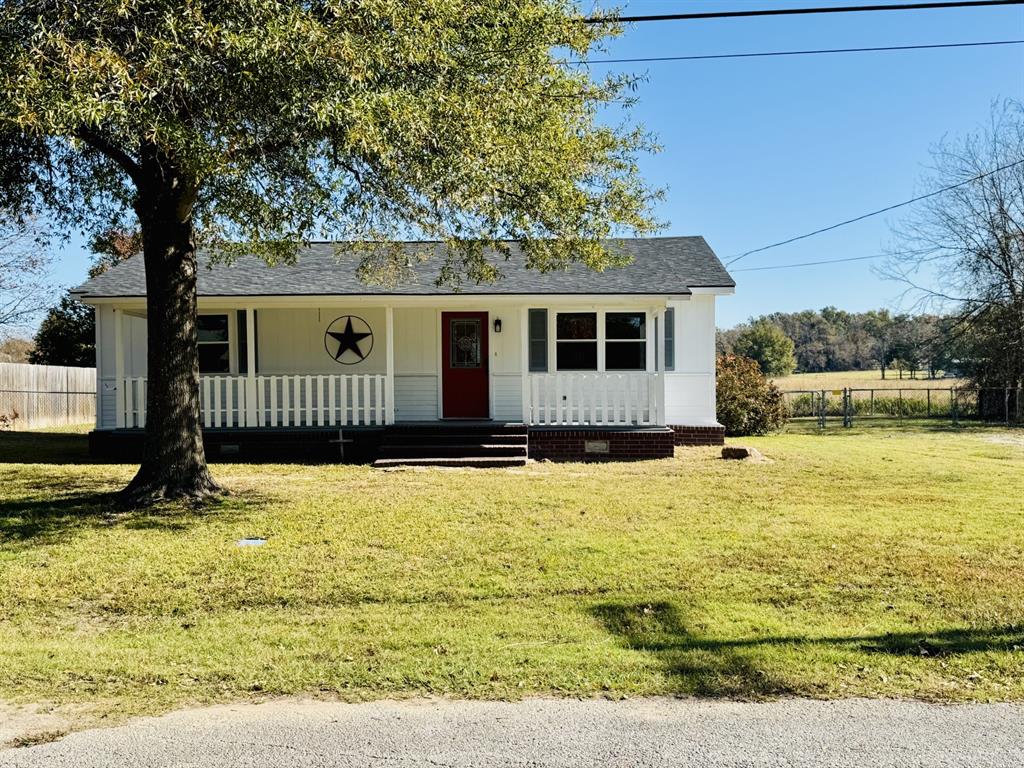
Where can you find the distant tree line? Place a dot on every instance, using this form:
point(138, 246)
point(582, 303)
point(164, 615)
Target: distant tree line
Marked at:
point(835, 340)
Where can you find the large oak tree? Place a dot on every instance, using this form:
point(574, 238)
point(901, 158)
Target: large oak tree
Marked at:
point(253, 126)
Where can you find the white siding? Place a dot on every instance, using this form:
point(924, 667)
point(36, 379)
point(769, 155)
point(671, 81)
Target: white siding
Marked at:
point(107, 404)
point(134, 341)
point(690, 389)
point(506, 365)
point(105, 417)
point(135, 345)
point(507, 392)
point(415, 398)
point(105, 341)
point(416, 351)
point(292, 340)
point(416, 341)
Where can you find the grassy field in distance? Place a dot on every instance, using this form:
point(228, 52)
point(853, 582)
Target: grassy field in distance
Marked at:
point(862, 380)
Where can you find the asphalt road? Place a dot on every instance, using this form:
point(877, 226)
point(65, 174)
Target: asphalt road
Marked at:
point(548, 733)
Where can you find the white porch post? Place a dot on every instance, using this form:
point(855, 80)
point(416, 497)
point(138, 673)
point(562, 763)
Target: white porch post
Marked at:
point(250, 367)
point(120, 394)
point(524, 332)
point(389, 380)
point(100, 364)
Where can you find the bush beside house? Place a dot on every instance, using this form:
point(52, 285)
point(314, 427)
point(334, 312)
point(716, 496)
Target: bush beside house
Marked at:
point(748, 403)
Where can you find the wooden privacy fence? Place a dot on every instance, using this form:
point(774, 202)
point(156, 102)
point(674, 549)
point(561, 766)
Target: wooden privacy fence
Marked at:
point(37, 396)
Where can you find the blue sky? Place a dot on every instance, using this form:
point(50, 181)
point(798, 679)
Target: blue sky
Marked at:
point(757, 150)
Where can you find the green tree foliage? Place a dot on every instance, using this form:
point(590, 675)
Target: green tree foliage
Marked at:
point(747, 402)
point(256, 125)
point(353, 121)
point(836, 340)
point(67, 336)
point(768, 346)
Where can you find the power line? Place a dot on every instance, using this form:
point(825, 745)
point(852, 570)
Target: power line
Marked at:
point(800, 53)
point(809, 263)
point(874, 213)
point(800, 11)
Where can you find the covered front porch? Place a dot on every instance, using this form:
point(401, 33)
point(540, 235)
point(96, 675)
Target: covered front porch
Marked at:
point(274, 366)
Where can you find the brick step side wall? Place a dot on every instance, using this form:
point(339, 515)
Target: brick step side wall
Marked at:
point(698, 435)
point(623, 445)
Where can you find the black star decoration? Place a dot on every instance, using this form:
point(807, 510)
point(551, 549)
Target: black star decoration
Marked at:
point(348, 340)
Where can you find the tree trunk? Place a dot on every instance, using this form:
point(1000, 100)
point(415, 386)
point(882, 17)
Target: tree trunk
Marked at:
point(173, 459)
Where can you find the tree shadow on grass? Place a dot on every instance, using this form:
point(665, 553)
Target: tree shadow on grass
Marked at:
point(735, 668)
point(40, 520)
point(45, 448)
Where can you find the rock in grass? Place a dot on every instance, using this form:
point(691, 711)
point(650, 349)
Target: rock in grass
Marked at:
point(740, 452)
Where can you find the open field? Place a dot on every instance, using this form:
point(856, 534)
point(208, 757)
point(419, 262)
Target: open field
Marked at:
point(861, 380)
point(864, 562)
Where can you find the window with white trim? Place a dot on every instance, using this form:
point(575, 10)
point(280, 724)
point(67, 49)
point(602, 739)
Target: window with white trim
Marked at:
point(214, 350)
point(576, 341)
point(625, 345)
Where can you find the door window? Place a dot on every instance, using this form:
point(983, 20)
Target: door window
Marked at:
point(465, 343)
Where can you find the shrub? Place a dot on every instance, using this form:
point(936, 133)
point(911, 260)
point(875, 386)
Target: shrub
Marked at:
point(748, 404)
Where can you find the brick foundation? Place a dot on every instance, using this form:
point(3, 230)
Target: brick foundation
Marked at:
point(698, 435)
point(569, 444)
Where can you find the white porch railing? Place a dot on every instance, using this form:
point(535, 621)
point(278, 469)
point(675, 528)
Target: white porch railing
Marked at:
point(280, 401)
point(612, 399)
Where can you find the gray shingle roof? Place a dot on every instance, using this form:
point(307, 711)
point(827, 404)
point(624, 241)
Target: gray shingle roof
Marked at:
point(661, 265)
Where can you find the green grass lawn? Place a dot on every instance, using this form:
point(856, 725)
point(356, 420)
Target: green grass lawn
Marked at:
point(865, 562)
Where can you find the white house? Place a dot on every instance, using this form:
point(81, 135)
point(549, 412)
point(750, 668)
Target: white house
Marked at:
point(573, 363)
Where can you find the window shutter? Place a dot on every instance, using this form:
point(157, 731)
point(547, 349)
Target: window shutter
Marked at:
point(538, 340)
point(242, 347)
point(243, 340)
point(670, 339)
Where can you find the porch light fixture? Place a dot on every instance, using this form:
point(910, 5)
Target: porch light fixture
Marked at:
point(497, 325)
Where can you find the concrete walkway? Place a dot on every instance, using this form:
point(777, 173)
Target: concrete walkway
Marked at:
point(548, 733)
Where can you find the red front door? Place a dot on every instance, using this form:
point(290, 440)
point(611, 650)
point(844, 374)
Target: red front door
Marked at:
point(464, 365)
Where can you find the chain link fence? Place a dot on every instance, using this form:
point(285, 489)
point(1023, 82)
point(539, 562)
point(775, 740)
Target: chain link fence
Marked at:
point(952, 404)
point(39, 396)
